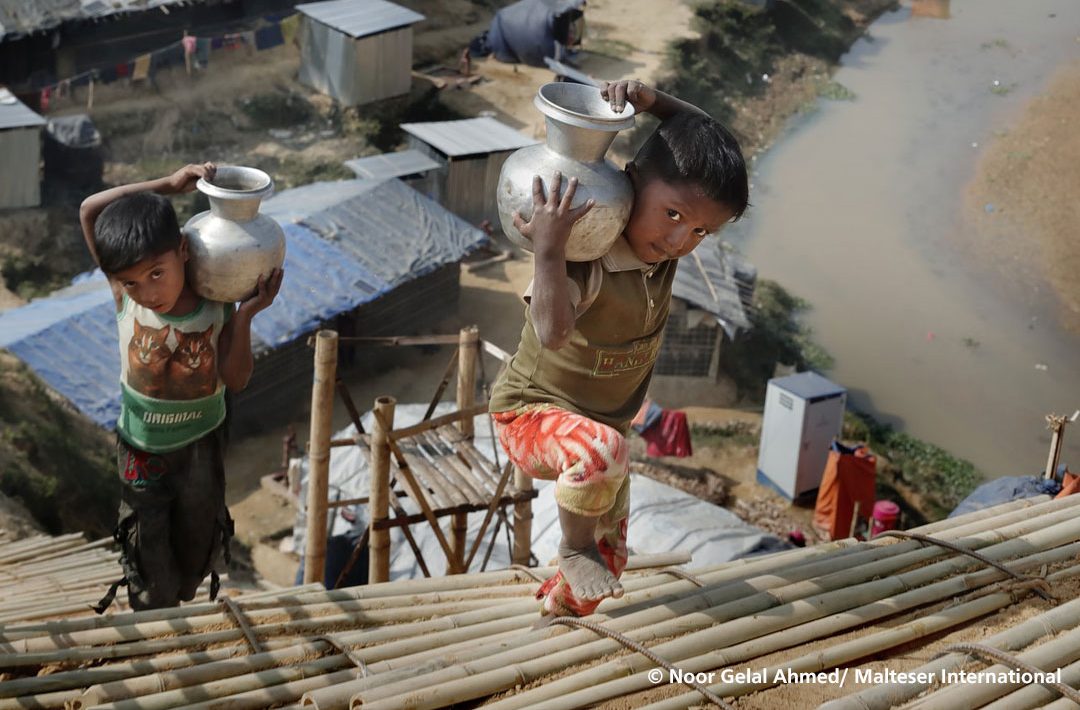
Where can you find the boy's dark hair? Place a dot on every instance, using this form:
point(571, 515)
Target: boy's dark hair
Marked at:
point(133, 228)
point(693, 148)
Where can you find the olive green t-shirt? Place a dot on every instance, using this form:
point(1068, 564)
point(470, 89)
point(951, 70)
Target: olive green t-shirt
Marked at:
point(603, 372)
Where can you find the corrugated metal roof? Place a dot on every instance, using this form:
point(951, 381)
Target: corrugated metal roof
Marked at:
point(709, 279)
point(390, 165)
point(20, 17)
point(16, 114)
point(469, 136)
point(360, 18)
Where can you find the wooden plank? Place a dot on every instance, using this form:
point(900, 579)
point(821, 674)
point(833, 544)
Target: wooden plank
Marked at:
point(477, 462)
point(448, 488)
point(404, 340)
point(474, 480)
point(495, 502)
point(437, 497)
point(462, 483)
point(405, 432)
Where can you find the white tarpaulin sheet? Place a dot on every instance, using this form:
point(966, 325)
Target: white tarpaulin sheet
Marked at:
point(662, 518)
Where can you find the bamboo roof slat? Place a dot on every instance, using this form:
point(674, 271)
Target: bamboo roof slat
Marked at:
point(433, 642)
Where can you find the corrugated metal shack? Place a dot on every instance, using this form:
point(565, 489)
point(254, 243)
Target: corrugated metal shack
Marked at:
point(471, 152)
point(375, 257)
point(20, 153)
point(357, 51)
point(712, 296)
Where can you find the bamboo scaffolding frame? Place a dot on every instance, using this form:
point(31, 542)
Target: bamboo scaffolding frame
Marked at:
point(738, 619)
point(596, 685)
point(880, 641)
point(482, 621)
point(322, 412)
point(255, 680)
point(881, 697)
point(1036, 695)
point(1053, 654)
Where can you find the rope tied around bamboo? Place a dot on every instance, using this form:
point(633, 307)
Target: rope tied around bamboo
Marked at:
point(346, 651)
point(681, 574)
point(1042, 591)
point(237, 615)
point(1006, 659)
point(529, 572)
point(644, 651)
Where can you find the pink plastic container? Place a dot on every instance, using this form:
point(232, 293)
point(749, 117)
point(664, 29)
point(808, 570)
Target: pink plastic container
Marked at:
point(884, 517)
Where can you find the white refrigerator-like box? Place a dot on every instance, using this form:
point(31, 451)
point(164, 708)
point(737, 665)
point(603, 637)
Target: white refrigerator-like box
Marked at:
point(803, 414)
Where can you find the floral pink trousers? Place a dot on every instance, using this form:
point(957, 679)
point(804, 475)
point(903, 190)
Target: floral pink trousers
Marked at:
point(589, 463)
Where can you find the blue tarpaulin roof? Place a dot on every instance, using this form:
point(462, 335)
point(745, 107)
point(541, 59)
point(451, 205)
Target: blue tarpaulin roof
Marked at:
point(347, 243)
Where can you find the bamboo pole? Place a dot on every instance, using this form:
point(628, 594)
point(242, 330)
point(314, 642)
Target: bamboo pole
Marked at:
point(1054, 654)
point(322, 412)
point(256, 600)
point(379, 507)
point(871, 644)
point(828, 594)
point(884, 696)
point(627, 675)
point(1056, 424)
point(468, 351)
point(1036, 695)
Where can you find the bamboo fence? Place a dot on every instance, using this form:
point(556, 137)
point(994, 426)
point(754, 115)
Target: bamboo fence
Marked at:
point(436, 642)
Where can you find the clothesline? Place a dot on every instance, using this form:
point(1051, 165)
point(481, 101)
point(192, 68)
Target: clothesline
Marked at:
point(271, 34)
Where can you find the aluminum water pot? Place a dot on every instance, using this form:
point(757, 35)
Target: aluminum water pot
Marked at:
point(580, 128)
point(231, 245)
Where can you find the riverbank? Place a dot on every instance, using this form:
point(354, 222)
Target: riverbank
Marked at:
point(1024, 194)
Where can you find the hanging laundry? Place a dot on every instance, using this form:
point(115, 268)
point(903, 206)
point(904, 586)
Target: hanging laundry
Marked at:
point(1070, 484)
point(647, 416)
point(268, 37)
point(123, 69)
point(290, 28)
point(43, 102)
point(189, 43)
point(671, 437)
point(248, 38)
point(142, 68)
point(202, 51)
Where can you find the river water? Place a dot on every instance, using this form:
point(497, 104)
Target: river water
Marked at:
point(858, 209)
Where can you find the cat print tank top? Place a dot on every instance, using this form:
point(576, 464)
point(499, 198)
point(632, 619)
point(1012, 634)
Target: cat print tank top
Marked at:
point(171, 394)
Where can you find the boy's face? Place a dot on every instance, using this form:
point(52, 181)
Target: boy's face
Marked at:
point(669, 220)
point(156, 282)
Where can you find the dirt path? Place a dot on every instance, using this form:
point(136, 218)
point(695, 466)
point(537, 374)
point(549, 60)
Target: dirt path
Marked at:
point(1024, 194)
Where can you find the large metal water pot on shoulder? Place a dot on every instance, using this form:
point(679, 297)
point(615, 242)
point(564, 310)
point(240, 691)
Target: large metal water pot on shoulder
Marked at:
point(231, 245)
point(580, 128)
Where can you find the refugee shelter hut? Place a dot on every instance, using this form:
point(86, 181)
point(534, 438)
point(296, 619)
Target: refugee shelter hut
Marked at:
point(43, 42)
point(711, 300)
point(357, 51)
point(471, 152)
point(20, 153)
point(376, 255)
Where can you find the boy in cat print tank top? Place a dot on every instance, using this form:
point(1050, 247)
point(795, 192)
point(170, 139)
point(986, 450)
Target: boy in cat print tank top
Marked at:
point(178, 354)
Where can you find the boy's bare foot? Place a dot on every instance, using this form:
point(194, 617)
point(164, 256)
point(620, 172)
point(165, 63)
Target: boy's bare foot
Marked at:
point(586, 573)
